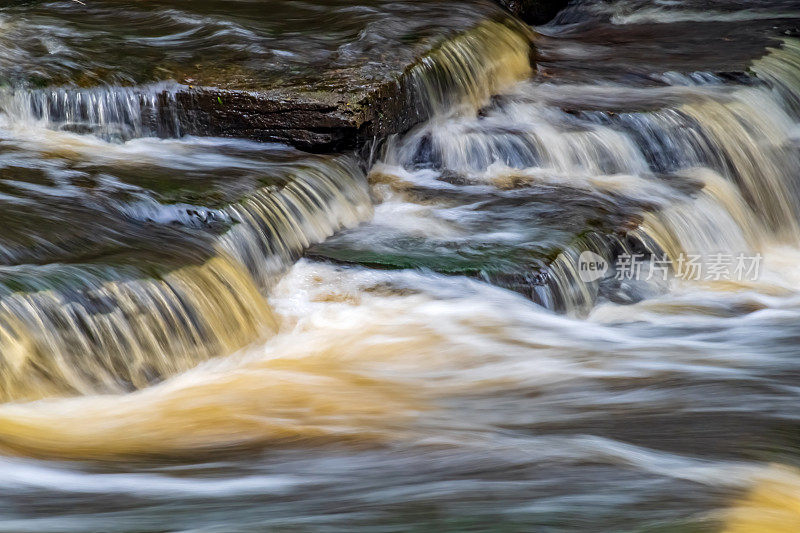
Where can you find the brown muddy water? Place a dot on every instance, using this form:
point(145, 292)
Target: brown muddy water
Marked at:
point(216, 335)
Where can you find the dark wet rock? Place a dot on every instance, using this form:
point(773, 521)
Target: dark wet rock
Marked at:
point(316, 121)
point(534, 11)
point(789, 30)
point(341, 111)
point(320, 75)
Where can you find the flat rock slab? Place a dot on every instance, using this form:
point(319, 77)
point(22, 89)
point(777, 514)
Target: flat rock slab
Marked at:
point(320, 74)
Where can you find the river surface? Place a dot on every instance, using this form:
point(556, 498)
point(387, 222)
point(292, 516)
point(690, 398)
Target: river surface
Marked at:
point(217, 335)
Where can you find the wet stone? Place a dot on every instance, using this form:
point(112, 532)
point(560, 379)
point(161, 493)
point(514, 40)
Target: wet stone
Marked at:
point(320, 75)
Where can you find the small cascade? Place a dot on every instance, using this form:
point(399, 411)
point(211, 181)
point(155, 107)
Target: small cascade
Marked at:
point(752, 136)
point(780, 69)
point(274, 226)
point(538, 138)
point(82, 328)
point(70, 330)
point(111, 113)
point(702, 167)
point(463, 71)
point(88, 329)
point(677, 240)
point(468, 69)
point(738, 147)
point(716, 219)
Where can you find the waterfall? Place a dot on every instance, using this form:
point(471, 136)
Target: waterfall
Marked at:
point(469, 68)
point(704, 168)
point(84, 328)
point(111, 113)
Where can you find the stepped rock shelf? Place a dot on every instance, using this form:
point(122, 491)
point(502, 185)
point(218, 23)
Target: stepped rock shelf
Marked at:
point(122, 263)
point(320, 75)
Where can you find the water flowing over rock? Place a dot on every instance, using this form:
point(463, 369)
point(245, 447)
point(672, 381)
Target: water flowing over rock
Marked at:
point(132, 287)
point(322, 78)
point(163, 252)
point(558, 297)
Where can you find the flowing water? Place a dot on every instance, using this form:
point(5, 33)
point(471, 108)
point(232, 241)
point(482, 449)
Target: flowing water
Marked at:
point(207, 334)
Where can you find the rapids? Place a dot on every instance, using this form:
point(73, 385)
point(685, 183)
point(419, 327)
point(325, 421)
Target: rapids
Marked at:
point(210, 334)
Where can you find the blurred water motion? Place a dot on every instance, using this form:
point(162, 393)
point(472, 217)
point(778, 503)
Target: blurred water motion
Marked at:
point(207, 334)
